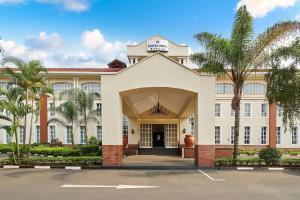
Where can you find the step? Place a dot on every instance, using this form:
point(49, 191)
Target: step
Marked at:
point(158, 151)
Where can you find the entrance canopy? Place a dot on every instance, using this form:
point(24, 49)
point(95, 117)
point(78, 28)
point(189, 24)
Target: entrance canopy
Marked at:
point(138, 102)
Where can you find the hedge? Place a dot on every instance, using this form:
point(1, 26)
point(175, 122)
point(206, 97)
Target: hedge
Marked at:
point(80, 150)
point(255, 162)
point(249, 152)
point(5, 148)
point(294, 153)
point(77, 160)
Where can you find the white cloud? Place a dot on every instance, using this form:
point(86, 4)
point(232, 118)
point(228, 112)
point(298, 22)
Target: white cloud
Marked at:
point(93, 51)
point(260, 8)
point(297, 17)
point(44, 41)
point(71, 5)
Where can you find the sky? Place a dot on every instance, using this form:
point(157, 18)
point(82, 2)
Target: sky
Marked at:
point(91, 33)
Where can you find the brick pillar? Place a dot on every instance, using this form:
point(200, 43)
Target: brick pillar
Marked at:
point(272, 124)
point(112, 155)
point(44, 118)
point(205, 155)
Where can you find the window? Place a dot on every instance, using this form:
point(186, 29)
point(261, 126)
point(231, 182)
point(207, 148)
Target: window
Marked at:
point(69, 134)
point(224, 88)
point(91, 87)
point(21, 134)
point(82, 135)
point(37, 134)
point(192, 123)
point(99, 109)
point(264, 109)
point(99, 132)
point(278, 135)
point(218, 110)
point(247, 110)
point(232, 135)
point(125, 126)
point(8, 138)
point(247, 133)
point(254, 88)
point(37, 106)
point(263, 138)
point(60, 87)
point(295, 135)
point(52, 133)
point(52, 109)
point(3, 85)
point(217, 134)
point(279, 111)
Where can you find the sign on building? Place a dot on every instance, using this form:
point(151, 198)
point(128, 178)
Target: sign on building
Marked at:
point(157, 45)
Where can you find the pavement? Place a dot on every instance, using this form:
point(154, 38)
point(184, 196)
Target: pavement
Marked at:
point(207, 184)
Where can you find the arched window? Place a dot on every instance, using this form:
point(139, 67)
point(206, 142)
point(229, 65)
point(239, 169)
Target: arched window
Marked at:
point(224, 88)
point(91, 87)
point(254, 88)
point(60, 87)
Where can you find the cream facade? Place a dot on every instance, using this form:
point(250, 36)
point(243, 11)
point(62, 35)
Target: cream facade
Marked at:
point(161, 99)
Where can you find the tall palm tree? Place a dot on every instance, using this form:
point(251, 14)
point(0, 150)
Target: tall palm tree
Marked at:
point(240, 55)
point(85, 105)
point(27, 77)
point(68, 115)
point(283, 81)
point(13, 103)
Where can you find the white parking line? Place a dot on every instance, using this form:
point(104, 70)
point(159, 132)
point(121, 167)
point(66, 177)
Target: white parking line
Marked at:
point(209, 177)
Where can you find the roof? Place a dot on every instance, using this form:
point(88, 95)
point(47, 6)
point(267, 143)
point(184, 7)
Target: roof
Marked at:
point(62, 69)
point(116, 64)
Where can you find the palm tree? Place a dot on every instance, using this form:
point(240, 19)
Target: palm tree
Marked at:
point(84, 103)
point(27, 77)
point(13, 103)
point(240, 55)
point(68, 116)
point(283, 83)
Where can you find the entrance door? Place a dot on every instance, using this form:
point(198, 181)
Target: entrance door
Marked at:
point(158, 135)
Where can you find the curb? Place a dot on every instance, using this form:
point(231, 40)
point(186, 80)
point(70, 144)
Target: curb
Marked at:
point(245, 168)
point(276, 169)
point(11, 166)
point(41, 167)
point(72, 168)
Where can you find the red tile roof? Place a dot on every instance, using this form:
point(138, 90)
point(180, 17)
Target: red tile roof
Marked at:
point(78, 69)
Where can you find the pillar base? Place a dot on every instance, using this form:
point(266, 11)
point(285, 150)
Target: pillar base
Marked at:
point(112, 155)
point(205, 155)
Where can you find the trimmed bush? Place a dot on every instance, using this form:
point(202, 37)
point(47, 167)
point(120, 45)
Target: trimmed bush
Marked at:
point(271, 156)
point(5, 148)
point(55, 151)
point(294, 153)
point(290, 162)
point(89, 150)
point(79, 160)
point(249, 152)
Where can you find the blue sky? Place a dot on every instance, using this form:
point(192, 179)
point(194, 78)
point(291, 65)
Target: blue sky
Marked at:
point(89, 33)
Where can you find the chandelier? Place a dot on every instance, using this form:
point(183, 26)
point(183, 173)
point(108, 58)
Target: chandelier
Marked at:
point(158, 109)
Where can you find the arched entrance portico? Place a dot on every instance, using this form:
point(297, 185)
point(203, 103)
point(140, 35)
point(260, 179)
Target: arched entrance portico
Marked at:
point(140, 87)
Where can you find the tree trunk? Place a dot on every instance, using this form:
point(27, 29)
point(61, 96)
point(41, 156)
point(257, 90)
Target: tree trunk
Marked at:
point(236, 101)
point(25, 120)
point(31, 123)
point(72, 134)
point(86, 130)
point(17, 145)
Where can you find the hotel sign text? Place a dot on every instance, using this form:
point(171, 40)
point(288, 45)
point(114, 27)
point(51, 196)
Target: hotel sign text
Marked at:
point(157, 45)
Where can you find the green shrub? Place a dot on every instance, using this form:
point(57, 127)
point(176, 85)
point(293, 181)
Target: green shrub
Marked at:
point(290, 161)
point(79, 160)
point(89, 150)
point(271, 156)
point(55, 151)
point(294, 153)
point(94, 141)
point(5, 148)
point(249, 152)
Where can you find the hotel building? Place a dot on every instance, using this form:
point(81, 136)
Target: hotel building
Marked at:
point(155, 101)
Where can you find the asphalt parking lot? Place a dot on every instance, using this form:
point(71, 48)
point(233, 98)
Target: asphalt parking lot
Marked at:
point(31, 184)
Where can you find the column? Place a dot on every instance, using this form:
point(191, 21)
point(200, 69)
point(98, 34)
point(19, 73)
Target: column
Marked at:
point(272, 124)
point(44, 118)
point(204, 131)
point(112, 138)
